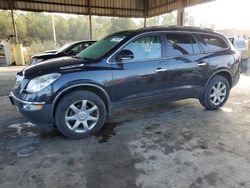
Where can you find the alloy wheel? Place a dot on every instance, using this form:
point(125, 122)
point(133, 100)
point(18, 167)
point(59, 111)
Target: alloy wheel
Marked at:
point(218, 93)
point(81, 116)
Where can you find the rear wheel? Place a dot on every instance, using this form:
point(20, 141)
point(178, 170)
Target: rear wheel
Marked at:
point(79, 114)
point(216, 93)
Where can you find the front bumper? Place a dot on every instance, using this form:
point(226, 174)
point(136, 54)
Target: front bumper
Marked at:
point(38, 113)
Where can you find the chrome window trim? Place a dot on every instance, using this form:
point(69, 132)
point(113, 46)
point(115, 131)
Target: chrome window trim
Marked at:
point(169, 57)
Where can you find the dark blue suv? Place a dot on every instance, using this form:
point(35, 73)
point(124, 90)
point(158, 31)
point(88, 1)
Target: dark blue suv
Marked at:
point(77, 94)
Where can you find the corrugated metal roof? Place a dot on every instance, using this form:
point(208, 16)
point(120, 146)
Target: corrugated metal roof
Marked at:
point(118, 8)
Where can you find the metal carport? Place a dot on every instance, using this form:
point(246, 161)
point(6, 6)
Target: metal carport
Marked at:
point(116, 8)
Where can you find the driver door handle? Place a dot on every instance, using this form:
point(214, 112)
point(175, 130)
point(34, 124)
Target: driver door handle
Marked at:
point(160, 70)
point(202, 63)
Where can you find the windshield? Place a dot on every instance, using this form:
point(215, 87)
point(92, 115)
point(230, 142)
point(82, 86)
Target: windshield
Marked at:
point(101, 47)
point(64, 47)
point(240, 43)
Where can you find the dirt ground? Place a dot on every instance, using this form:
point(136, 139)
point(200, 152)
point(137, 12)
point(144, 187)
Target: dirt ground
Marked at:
point(177, 144)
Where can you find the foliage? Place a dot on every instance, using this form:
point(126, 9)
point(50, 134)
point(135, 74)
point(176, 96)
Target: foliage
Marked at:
point(5, 24)
point(36, 31)
point(154, 21)
point(38, 26)
point(120, 24)
point(188, 19)
point(169, 19)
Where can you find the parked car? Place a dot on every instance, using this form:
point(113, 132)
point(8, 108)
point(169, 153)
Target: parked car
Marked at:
point(53, 51)
point(69, 49)
point(129, 68)
point(240, 45)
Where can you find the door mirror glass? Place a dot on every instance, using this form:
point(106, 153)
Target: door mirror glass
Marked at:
point(124, 55)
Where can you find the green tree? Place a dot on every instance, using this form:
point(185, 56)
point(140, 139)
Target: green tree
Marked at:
point(188, 19)
point(138, 24)
point(39, 26)
point(61, 27)
point(6, 27)
point(78, 28)
point(120, 24)
point(21, 26)
point(101, 27)
point(154, 21)
point(169, 19)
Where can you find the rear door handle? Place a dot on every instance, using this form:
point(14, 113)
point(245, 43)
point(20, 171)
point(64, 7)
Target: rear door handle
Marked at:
point(202, 63)
point(160, 70)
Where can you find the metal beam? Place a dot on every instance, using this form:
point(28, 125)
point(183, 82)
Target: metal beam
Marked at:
point(180, 12)
point(90, 21)
point(77, 5)
point(121, 8)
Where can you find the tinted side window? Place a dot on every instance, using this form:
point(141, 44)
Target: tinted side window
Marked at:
point(211, 43)
point(147, 47)
point(196, 47)
point(180, 44)
point(79, 47)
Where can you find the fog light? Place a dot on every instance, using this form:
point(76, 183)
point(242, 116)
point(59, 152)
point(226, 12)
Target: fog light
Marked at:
point(32, 107)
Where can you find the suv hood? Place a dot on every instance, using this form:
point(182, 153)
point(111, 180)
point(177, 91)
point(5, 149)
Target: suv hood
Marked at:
point(51, 66)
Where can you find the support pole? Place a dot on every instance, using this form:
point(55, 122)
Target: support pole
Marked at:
point(90, 21)
point(145, 22)
point(54, 30)
point(146, 4)
point(90, 28)
point(17, 48)
point(180, 12)
point(14, 22)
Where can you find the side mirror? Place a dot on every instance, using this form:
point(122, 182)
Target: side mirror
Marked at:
point(124, 55)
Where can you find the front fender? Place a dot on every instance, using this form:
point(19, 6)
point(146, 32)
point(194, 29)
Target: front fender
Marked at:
point(90, 85)
point(77, 84)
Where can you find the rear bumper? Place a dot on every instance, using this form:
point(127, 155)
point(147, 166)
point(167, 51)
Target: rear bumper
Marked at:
point(235, 80)
point(38, 113)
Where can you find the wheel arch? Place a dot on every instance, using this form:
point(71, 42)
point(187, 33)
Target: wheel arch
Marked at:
point(225, 73)
point(98, 90)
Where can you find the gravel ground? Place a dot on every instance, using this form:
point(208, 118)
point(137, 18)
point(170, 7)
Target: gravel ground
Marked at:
point(177, 144)
point(7, 78)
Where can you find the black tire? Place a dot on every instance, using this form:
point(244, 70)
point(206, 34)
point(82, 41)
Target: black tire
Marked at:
point(64, 106)
point(207, 100)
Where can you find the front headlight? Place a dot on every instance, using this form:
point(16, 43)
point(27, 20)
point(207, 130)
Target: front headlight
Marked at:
point(39, 83)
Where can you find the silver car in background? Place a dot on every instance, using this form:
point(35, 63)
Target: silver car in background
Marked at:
point(241, 46)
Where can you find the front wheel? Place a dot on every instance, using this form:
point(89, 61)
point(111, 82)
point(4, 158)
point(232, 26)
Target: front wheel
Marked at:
point(79, 114)
point(216, 93)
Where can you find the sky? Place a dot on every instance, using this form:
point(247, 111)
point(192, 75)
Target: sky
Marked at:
point(225, 14)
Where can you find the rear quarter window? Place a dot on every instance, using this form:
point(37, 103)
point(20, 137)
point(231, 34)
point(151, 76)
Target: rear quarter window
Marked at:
point(211, 43)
